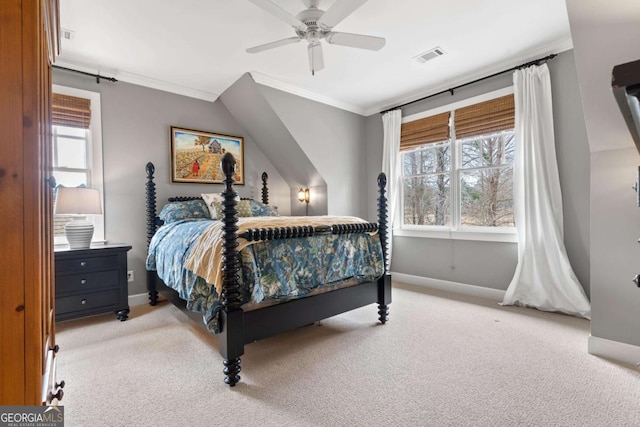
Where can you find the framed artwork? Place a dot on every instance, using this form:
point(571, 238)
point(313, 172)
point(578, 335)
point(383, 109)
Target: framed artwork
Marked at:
point(195, 156)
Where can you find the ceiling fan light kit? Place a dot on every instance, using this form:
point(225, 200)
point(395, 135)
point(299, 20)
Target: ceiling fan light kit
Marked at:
point(315, 25)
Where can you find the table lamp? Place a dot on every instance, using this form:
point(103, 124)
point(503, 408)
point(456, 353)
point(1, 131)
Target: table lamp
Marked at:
point(78, 201)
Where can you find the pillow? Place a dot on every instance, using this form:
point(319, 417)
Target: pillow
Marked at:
point(191, 209)
point(214, 204)
point(245, 208)
point(260, 209)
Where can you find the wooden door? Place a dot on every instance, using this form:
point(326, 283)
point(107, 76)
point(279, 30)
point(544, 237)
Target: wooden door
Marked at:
point(28, 42)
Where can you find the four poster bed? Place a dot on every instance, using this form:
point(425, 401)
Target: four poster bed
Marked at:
point(253, 278)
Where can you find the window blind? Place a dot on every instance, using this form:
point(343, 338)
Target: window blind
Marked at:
point(486, 117)
point(424, 131)
point(70, 111)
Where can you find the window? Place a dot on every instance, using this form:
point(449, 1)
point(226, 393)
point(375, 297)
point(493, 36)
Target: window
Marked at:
point(457, 167)
point(77, 149)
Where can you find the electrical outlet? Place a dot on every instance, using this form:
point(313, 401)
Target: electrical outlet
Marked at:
point(130, 276)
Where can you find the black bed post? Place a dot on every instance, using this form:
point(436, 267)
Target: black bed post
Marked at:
point(151, 228)
point(384, 283)
point(232, 335)
point(265, 190)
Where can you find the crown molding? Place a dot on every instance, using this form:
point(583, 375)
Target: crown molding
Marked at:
point(265, 80)
point(138, 79)
point(558, 47)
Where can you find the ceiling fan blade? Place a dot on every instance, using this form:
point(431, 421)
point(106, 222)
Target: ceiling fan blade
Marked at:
point(338, 11)
point(355, 40)
point(316, 60)
point(278, 12)
point(271, 45)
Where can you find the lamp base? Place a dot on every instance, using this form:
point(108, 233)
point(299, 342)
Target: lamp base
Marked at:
point(79, 233)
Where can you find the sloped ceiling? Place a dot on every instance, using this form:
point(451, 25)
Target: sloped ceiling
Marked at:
point(605, 34)
point(248, 105)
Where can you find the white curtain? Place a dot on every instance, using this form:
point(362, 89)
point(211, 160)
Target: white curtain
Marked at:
point(391, 123)
point(544, 278)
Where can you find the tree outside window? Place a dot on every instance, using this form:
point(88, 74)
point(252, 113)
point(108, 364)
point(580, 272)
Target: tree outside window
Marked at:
point(457, 167)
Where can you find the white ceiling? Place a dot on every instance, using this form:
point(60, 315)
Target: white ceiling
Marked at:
point(197, 47)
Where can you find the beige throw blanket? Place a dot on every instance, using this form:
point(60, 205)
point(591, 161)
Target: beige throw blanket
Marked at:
point(205, 258)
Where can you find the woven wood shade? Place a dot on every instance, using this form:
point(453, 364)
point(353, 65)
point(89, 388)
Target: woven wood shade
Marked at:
point(487, 117)
point(70, 111)
point(424, 131)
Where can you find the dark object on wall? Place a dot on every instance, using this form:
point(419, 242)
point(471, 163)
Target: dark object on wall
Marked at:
point(625, 81)
point(97, 76)
point(536, 62)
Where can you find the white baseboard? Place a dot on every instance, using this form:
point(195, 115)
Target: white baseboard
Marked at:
point(138, 299)
point(444, 285)
point(614, 350)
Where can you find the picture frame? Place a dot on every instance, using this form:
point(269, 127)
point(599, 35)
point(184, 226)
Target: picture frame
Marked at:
point(195, 156)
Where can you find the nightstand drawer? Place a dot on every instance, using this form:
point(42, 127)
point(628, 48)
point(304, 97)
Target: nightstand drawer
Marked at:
point(87, 281)
point(91, 281)
point(78, 265)
point(86, 302)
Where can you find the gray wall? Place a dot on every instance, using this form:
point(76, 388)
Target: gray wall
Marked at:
point(135, 130)
point(466, 261)
point(311, 144)
point(345, 149)
point(244, 99)
point(572, 152)
point(332, 139)
point(606, 34)
point(615, 229)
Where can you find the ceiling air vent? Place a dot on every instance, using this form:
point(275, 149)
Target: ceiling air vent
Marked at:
point(428, 55)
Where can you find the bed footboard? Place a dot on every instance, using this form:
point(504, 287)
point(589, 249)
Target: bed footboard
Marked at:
point(238, 327)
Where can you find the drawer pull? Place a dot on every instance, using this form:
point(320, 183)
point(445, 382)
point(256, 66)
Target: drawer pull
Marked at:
point(61, 384)
point(84, 301)
point(58, 395)
point(83, 263)
point(83, 281)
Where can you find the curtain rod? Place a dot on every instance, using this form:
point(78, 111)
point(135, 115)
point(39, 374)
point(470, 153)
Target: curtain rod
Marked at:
point(517, 67)
point(97, 76)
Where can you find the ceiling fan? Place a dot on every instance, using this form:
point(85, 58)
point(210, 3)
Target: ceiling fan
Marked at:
point(314, 25)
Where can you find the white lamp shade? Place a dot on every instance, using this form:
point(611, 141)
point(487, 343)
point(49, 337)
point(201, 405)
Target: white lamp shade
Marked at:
point(77, 201)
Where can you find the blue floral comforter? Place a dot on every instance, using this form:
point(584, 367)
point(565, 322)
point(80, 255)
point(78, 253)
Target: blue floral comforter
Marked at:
point(275, 270)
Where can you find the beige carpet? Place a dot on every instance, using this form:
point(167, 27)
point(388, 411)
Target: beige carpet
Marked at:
point(442, 360)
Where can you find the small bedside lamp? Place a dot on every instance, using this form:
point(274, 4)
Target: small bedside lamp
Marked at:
point(78, 201)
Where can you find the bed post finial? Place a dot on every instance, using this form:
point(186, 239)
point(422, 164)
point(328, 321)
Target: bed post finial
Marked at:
point(265, 190)
point(382, 217)
point(151, 202)
point(232, 339)
point(152, 226)
point(384, 283)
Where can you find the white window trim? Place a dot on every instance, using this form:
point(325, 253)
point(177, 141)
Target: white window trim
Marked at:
point(489, 234)
point(94, 153)
point(466, 233)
